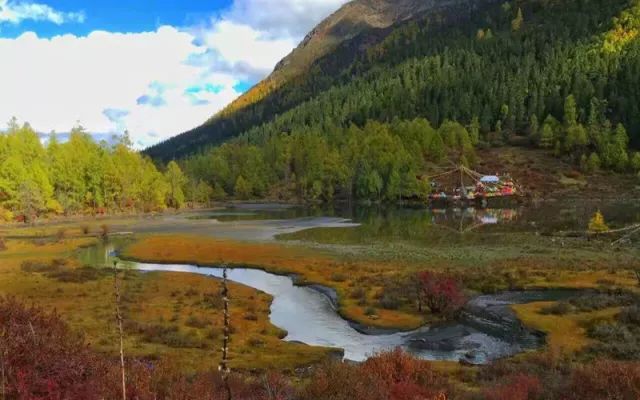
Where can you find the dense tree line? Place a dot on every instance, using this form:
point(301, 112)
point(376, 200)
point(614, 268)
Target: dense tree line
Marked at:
point(563, 76)
point(560, 76)
point(375, 162)
point(387, 161)
point(502, 65)
point(79, 176)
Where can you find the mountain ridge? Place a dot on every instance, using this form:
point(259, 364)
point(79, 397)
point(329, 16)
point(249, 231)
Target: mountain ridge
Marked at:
point(340, 28)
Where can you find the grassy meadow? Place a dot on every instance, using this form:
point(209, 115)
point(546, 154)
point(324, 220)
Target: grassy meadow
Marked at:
point(167, 315)
point(177, 316)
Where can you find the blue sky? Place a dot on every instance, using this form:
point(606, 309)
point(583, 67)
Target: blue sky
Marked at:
point(121, 16)
point(154, 68)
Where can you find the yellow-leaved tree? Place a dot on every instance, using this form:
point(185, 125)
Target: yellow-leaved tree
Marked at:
point(597, 223)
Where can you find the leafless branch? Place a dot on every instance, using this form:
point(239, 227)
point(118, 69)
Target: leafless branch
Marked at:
point(116, 288)
point(224, 366)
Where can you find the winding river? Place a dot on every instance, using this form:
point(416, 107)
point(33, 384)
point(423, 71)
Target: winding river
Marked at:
point(486, 330)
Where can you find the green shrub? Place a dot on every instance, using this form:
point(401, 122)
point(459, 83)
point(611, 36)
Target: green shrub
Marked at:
point(78, 275)
point(195, 322)
point(560, 308)
point(255, 341)
point(167, 335)
point(338, 277)
point(37, 267)
point(389, 303)
point(250, 316)
point(630, 315)
point(212, 300)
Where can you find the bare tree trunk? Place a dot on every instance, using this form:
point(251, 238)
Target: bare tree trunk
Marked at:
point(3, 394)
point(224, 367)
point(120, 330)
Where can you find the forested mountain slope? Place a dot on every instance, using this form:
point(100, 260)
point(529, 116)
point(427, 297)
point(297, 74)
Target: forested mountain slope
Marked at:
point(311, 68)
point(370, 116)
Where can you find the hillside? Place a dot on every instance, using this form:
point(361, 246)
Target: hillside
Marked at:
point(388, 104)
point(330, 47)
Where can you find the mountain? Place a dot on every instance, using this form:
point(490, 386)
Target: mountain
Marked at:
point(351, 29)
point(373, 111)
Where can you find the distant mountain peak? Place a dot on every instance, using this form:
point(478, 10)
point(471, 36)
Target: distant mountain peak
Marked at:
point(350, 20)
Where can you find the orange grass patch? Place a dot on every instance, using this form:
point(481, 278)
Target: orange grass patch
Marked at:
point(309, 265)
point(565, 333)
point(161, 300)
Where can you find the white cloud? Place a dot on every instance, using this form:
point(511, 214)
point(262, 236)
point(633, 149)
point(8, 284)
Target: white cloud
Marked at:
point(282, 18)
point(17, 11)
point(155, 84)
point(240, 50)
point(253, 35)
point(52, 83)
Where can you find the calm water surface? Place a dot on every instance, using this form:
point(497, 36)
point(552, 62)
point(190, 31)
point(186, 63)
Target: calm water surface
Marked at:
point(487, 330)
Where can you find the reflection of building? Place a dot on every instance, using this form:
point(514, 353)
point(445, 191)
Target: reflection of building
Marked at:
point(466, 219)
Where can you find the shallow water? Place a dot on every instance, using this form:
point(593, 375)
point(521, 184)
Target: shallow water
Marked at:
point(487, 330)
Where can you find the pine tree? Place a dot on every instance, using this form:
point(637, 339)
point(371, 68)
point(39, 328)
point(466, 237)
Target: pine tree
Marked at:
point(534, 128)
point(593, 164)
point(474, 130)
point(618, 149)
point(635, 162)
point(546, 138)
point(570, 111)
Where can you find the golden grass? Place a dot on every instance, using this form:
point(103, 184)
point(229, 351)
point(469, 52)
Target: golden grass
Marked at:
point(565, 333)
point(586, 280)
point(310, 266)
point(345, 275)
point(158, 299)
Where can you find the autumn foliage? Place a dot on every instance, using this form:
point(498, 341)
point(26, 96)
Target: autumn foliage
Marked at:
point(517, 387)
point(605, 379)
point(389, 376)
point(41, 359)
point(441, 293)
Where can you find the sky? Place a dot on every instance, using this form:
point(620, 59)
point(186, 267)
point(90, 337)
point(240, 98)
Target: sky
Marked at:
point(153, 67)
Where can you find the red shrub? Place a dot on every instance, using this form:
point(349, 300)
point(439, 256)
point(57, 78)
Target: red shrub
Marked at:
point(147, 381)
point(517, 387)
point(402, 376)
point(441, 293)
point(388, 376)
point(42, 359)
point(338, 381)
point(606, 379)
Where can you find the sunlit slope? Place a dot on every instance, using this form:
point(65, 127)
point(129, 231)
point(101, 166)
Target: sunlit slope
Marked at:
point(357, 24)
point(503, 63)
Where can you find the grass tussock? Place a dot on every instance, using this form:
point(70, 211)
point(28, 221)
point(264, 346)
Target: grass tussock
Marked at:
point(168, 315)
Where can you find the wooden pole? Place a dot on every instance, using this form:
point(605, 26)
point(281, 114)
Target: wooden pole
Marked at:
point(116, 288)
point(224, 366)
point(3, 377)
